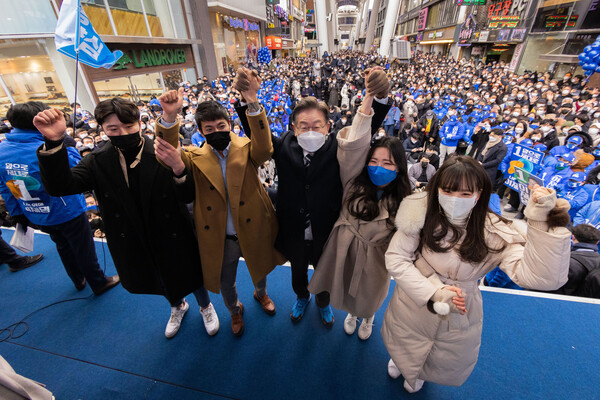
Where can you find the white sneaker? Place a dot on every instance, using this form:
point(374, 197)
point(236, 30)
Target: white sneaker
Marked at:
point(366, 327)
point(393, 371)
point(211, 320)
point(350, 324)
point(174, 323)
point(418, 386)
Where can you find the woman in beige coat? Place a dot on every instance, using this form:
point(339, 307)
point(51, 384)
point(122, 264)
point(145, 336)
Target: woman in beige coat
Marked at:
point(375, 180)
point(447, 240)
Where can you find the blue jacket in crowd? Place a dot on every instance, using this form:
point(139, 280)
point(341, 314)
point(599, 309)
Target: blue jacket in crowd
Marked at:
point(589, 214)
point(451, 133)
point(198, 139)
point(21, 185)
point(582, 196)
point(392, 117)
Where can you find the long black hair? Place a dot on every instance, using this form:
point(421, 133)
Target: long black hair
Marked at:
point(362, 201)
point(459, 173)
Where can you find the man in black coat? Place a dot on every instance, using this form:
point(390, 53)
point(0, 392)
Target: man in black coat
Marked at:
point(492, 155)
point(149, 231)
point(309, 195)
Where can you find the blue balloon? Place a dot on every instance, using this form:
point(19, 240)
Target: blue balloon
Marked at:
point(598, 68)
point(588, 73)
point(592, 54)
point(582, 56)
point(587, 49)
point(594, 46)
point(582, 63)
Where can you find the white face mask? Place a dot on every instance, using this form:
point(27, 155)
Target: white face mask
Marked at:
point(493, 139)
point(93, 126)
point(104, 137)
point(594, 131)
point(457, 207)
point(311, 141)
point(236, 130)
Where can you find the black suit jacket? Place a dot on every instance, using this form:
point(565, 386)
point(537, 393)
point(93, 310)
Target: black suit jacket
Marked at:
point(154, 246)
point(316, 189)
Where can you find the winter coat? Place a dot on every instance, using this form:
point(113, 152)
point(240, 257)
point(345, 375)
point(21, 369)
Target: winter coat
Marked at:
point(584, 195)
point(492, 159)
point(334, 95)
point(445, 351)
point(551, 140)
point(251, 209)
point(20, 181)
point(153, 245)
point(451, 133)
point(392, 117)
point(584, 260)
point(352, 266)
point(434, 129)
point(415, 172)
point(589, 214)
point(410, 112)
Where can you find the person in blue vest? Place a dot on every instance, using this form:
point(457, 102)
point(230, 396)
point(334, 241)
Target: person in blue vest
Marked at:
point(392, 119)
point(439, 110)
point(589, 214)
point(570, 188)
point(548, 160)
point(562, 172)
point(586, 194)
point(63, 218)
point(573, 144)
point(596, 154)
point(450, 133)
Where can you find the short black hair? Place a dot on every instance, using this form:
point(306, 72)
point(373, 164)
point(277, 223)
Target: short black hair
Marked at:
point(210, 110)
point(126, 111)
point(583, 117)
point(586, 233)
point(311, 103)
point(21, 115)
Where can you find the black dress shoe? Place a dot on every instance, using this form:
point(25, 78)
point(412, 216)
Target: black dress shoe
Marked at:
point(25, 262)
point(81, 285)
point(111, 282)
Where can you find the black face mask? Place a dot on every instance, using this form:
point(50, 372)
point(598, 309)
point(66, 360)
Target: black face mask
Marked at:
point(218, 140)
point(126, 142)
point(424, 164)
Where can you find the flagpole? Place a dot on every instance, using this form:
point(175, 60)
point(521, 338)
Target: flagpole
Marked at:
point(76, 67)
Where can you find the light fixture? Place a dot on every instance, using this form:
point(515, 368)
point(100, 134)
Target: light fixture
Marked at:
point(438, 41)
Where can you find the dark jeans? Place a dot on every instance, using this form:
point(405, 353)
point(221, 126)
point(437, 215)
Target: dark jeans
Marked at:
point(8, 254)
point(77, 251)
point(300, 276)
point(201, 296)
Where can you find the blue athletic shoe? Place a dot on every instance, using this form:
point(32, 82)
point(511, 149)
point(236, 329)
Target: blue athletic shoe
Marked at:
point(327, 316)
point(299, 309)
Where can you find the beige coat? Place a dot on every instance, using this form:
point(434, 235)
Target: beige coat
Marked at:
point(352, 266)
point(427, 347)
point(252, 210)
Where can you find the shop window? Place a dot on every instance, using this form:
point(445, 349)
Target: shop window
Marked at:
point(135, 87)
point(30, 78)
point(432, 16)
point(96, 12)
point(37, 18)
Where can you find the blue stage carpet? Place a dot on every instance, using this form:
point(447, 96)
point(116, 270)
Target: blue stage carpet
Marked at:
point(113, 346)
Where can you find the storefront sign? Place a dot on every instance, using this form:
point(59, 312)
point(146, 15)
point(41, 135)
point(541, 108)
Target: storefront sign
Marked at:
point(470, 2)
point(274, 42)
point(298, 14)
point(419, 37)
point(466, 30)
point(483, 36)
point(150, 58)
point(281, 13)
point(422, 21)
point(559, 21)
point(241, 24)
point(508, 21)
point(477, 51)
point(516, 56)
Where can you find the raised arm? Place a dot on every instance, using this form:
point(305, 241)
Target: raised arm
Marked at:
point(57, 176)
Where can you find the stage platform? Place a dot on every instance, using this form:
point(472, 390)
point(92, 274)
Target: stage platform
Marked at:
point(113, 347)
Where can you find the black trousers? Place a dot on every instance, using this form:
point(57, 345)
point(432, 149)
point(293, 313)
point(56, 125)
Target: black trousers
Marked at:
point(300, 275)
point(77, 251)
point(8, 254)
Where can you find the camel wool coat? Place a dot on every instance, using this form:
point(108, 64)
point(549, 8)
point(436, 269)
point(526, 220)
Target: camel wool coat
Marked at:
point(352, 266)
point(445, 351)
point(252, 211)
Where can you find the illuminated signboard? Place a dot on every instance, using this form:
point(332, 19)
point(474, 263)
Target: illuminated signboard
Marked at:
point(241, 24)
point(422, 21)
point(498, 9)
point(560, 21)
point(274, 42)
point(509, 21)
point(470, 2)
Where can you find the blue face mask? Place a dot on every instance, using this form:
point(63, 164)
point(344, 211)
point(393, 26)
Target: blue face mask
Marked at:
point(507, 140)
point(571, 146)
point(596, 152)
point(381, 176)
point(512, 123)
point(561, 165)
point(573, 185)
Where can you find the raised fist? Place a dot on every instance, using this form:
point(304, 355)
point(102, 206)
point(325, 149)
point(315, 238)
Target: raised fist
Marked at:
point(247, 82)
point(171, 103)
point(377, 82)
point(51, 123)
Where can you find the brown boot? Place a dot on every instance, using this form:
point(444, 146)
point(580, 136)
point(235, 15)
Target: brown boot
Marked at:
point(237, 322)
point(267, 304)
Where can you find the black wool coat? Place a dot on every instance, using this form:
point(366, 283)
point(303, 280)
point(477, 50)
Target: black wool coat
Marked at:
point(154, 247)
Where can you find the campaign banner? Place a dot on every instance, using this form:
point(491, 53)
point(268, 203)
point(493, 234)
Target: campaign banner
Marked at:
point(524, 163)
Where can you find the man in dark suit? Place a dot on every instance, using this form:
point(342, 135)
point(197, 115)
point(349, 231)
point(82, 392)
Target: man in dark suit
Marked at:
point(492, 155)
point(309, 195)
point(148, 228)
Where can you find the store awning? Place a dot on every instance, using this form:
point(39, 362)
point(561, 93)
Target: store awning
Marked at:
point(560, 58)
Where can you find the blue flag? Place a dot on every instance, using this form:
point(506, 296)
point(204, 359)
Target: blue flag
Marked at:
point(75, 31)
